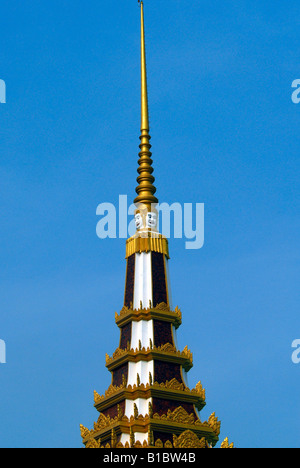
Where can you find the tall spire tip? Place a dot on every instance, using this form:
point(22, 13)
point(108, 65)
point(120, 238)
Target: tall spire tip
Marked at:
point(145, 189)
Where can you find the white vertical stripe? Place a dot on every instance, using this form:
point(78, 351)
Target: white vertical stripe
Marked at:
point(142, 406)
point(125, 438)
point(138, 436)
point(141, 437)
point(142, 280)
point(142, 368)
point(142, 331)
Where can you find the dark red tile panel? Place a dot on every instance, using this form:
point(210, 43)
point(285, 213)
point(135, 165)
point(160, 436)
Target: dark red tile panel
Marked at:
point(159, 279)
point(112, 412)
point(129, 286)
point(164, 371)
point(125, 335)
point(118, 373)
point(162, 406)
point(162, 333)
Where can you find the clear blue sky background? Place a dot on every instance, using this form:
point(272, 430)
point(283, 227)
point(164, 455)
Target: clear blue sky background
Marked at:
point(224, 132)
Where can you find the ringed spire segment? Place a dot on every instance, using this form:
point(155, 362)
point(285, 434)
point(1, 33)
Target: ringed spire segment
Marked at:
point(145, 189)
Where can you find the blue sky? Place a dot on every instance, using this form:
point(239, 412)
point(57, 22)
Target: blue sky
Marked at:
point(225, 132)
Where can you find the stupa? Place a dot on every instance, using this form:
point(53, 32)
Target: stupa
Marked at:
point(148, 403)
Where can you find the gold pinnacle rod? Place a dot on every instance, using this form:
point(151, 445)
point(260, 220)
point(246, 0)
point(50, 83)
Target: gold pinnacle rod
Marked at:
point(145, 113)
point(145, 189)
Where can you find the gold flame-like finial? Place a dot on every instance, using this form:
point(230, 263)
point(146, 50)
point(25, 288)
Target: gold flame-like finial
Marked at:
point(145, 189)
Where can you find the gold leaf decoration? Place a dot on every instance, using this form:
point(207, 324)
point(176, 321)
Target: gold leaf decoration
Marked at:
point(93, 443)
point(167, 348)
point(162, 306)
point(168, 444)
point(84, 431)
point(225, 444)
point(132, 438)
point(188, 439)
point(150, 409)
point(112, 389)
point(200, 390)
point(214, 423)
point(97, 397)
point(178, 312)
point(179, 415)
point(135, 411)
point(203, 443)
point(120, 412)
point(159, 444)
point(174, 385)
point(150, 438)
point(113, 438)
point(103, 422)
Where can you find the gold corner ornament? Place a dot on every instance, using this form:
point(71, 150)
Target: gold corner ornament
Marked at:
point(188, 439)
point(147, 242)
point(226, 444)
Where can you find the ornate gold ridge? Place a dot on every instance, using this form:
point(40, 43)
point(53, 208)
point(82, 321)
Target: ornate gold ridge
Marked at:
point(169, 385)
point(169, 390)
point(187, 430)
point(167, 353)
point(160, 312)
point(187, 439)
point(176, 422)
point(147, 241)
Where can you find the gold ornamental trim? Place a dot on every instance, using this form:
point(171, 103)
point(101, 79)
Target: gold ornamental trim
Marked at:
point(214, 423)
point(175, 422)
point(188, 439)
point(226, 444)
point(161, 312)
point(169, 390)
point(147, 241)
point(166, 353)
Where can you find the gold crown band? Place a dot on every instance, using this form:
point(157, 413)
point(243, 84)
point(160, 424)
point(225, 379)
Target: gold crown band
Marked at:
point(147, 242)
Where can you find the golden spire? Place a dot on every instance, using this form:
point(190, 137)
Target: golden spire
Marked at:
point(145, 189)
point(144, 96)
